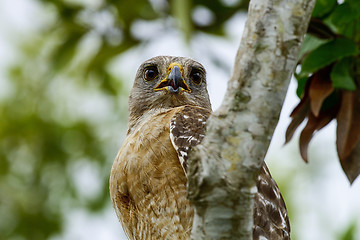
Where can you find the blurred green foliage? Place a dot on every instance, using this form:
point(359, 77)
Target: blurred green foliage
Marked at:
point(44, 141)
point(350, 233)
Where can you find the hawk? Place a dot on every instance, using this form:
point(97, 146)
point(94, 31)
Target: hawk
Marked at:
point(169, 106)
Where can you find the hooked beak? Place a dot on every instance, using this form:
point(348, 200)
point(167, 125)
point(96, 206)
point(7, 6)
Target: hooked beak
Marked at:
point(174, 82)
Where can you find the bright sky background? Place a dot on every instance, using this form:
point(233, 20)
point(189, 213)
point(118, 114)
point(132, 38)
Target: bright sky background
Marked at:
point(325, 202)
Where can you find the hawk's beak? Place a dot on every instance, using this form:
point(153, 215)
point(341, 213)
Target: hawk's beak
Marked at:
point(174, 82)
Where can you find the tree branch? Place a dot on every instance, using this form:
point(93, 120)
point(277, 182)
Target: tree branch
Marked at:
point(223, 169)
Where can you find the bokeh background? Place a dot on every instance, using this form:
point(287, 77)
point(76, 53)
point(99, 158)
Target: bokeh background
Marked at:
point(66, 68)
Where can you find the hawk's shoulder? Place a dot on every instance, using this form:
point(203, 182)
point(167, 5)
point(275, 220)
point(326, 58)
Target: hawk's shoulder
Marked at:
point(187, 129)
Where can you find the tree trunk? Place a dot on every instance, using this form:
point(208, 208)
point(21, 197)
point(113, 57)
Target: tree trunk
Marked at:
point(223, 169)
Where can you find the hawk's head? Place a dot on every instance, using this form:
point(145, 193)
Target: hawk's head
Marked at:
point(167, 82)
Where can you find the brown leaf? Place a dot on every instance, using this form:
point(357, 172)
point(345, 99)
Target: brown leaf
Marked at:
point(319, 29)
point(304, 101)
point(298, 115)
point(348, 133)
point(320, 88)
point(351, 165)
point(314, 123)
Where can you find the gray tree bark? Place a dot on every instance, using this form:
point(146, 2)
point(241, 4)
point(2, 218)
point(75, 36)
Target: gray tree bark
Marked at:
point(223, 169)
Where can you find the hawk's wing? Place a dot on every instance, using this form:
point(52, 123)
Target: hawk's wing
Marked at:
point(187, 129)
point(271, 220)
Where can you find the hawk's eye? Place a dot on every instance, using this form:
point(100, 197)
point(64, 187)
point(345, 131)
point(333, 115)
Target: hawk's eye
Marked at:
point(196, 76)
point(150, 73)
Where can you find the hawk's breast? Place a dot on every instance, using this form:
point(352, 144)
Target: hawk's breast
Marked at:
point(148, 184)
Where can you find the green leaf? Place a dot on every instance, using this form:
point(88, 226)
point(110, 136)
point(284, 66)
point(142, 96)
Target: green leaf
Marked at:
point(342, 14)
point(310, 43)
point(340, 75)
point(344, 19)
point(322, 7)
point(355, 5)
point(328, 53)
point(301, 86)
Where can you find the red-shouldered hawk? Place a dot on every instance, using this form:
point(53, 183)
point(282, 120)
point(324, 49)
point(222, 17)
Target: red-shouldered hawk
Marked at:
point(169, 106)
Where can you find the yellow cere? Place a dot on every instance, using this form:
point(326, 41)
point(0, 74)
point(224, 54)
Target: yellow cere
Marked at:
point(173, 65)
